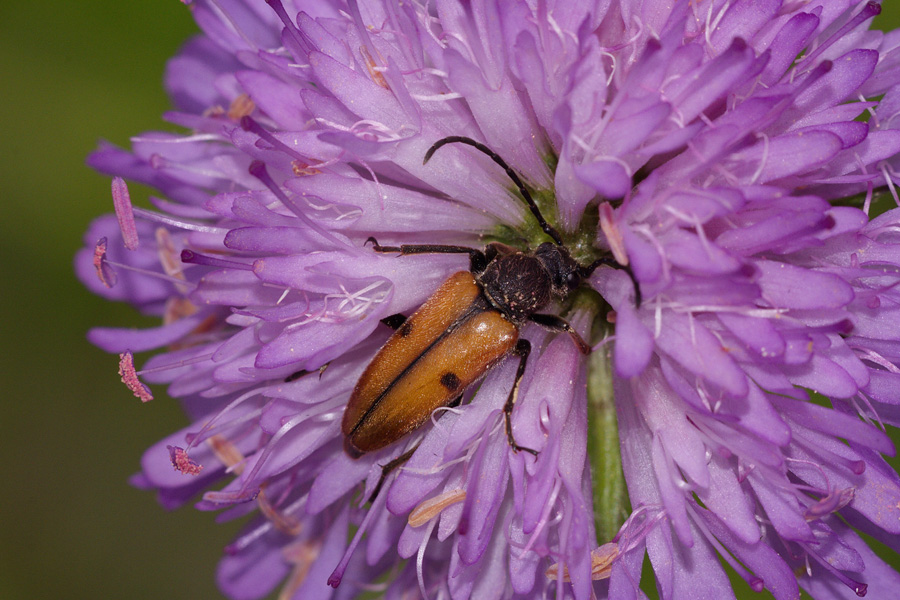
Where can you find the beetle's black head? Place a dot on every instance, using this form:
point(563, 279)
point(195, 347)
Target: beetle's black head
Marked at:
point(564, 271)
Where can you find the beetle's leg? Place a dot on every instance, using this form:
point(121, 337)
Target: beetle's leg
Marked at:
point(585, 272)
point(477, 260)
point(560, 325)
point(394, 321)
point(302, 373)
point(522, 349)
point(390, 466)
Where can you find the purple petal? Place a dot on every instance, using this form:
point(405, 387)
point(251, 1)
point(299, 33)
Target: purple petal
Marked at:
point(634, 343)
point(609, 178)
point(141, 340)
point(696, 349)
point(726, 497)
point(787, 286)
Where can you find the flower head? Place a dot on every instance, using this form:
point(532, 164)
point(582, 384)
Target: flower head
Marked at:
point(720, 159)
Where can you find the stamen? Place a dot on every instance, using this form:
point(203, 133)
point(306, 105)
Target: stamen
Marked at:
point(613, 234)
point(857, 467)
point(227, 453)
point(245, 540)
point(887, 174)
point(169, 257)
point(755, 583)
point(182, 462)
point(149, 215)
point(241, 107)
point(372, 66)
point(858, 587)
point(124, 213)
point(602, 559)
point(370, 129)
point(544, 518)
point(334, 580)
point(176, 307)
point(420, 560)
point(429, 509)
point(282, 522)
point(195, 438)
point(146, 272)
point(181, 363)
point(257, 532)
point(301, 555)
point(246, 492)
point(439, 468)
point(258, 170)
point(178, 141)
point(763, 159)
point(831, 503)
point(437, 97)
point(713, 23)
point(130, 378)
point(638, 526)
point(303, 169)
point(105, 273)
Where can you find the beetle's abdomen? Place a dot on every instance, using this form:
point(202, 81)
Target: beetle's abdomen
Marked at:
point(449, 343)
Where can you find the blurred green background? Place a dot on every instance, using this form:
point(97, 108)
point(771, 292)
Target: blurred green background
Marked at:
point(70, 525)
point(70, 434)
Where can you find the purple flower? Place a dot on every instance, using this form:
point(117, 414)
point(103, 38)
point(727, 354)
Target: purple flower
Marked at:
point(730, 154)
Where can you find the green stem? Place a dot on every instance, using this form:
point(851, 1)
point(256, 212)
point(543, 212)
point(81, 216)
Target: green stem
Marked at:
point(611, 505)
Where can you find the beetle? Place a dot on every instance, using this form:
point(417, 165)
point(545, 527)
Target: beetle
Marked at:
point(469, 325)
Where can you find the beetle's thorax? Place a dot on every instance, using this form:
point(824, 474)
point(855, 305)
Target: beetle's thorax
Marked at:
point(520, 284)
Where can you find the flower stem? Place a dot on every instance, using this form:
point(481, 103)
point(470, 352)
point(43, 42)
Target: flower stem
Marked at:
point(611, 505)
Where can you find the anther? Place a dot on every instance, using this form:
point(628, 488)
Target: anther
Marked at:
point(432, 507)
point(602, 559)
point(613, 234)
point(242, 106)
point(372, 66)
point(182, 462)
point(105, 273)
point(124, 213)
point(130, 378)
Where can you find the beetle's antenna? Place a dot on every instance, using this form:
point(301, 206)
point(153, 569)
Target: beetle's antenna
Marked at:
point(453, 139)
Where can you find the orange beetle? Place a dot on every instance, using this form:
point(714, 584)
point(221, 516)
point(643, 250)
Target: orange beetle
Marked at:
point(467, 326)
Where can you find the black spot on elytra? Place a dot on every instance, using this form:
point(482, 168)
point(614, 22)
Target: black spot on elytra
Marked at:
point(405, 329)
point(450, 381)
